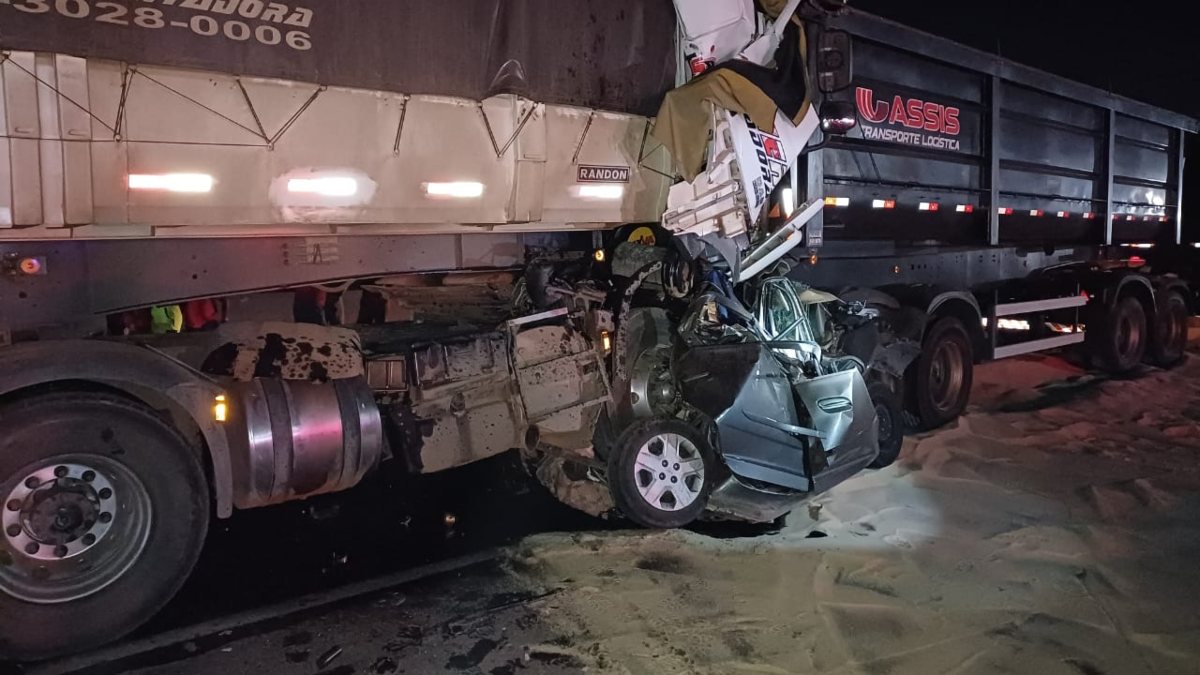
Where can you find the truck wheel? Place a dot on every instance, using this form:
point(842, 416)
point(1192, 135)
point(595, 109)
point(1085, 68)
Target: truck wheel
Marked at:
point(940, 379)
point(104, 510)
point(889, 410)
point(1169, 343)
point(647, 340)
point(660, 473)
point(1120, 343)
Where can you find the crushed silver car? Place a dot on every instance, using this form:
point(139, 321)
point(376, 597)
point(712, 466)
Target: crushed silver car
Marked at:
point(746, 411)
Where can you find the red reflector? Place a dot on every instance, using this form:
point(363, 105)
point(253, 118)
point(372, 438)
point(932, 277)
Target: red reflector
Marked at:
point(1005, 211)
point(1137, 260)
point(1162, 219)
point(1037, 213)
point(30, 266)
point(889, 204)
point(1129, 218)
point(1089, 216)
point(1063, 214)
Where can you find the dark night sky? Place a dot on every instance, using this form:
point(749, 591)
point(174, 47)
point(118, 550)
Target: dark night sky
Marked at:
point(1104, 43)
point(1146, 50)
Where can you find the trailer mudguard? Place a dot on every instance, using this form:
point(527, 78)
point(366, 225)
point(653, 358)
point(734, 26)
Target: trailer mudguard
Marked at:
point(134, 370)
point(1134, 283)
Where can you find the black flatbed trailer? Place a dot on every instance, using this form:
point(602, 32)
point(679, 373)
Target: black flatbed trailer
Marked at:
point(973, 184)
point(1015, 144)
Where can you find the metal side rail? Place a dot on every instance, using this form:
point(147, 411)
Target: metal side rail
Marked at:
point(1005, 310)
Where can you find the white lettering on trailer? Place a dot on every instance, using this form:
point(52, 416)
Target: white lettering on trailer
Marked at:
point(603, 174)
point(230, 21)
point(917, 138)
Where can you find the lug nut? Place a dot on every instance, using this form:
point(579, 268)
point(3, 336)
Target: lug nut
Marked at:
point(60, 551)
point(662, 476)
point(61, 471)
point(32, 482)
point(89, 476)
point(106, 517)
point(676, 467)
point(665, 463)
point(105, 493)
point(674, 479)
point(89, 539)
point(32, 548)
point(13, 530)
point(14, 505)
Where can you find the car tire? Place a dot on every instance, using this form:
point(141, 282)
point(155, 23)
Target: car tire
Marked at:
point(1119, 346)
point(1168, 345)
point(96, 478)
point(940, 379)
point(660, 473)
point(889, 410)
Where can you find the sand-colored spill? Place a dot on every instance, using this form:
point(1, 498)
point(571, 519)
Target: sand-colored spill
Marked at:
point(1054, 529)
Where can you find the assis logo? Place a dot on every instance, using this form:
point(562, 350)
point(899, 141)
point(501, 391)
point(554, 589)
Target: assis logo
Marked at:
point(912, 113)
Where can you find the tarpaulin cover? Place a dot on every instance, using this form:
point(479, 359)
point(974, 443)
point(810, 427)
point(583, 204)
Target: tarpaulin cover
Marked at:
point(609, 54)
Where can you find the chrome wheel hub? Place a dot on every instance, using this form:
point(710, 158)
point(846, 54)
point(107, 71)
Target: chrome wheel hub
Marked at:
point(652, 386)
point(669, 472)
point(58, 512)
point(70, 527)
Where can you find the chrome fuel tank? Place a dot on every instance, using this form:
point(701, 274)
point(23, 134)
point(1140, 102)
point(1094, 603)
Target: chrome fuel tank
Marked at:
point(292, 440)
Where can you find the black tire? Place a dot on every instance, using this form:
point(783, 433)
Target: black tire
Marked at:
point(939, 381)
point(163, 477)
point(889, 409)
point(1120, 343)
point(625, 478)
point(1168, 345)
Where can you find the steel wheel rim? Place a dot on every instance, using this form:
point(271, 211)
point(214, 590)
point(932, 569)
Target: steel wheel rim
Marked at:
point(883, 424)
point(650, 384)
point(69, 527)
point(669, 472)
point(1129, 336)
point(1175, 329)
point(946, 375)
